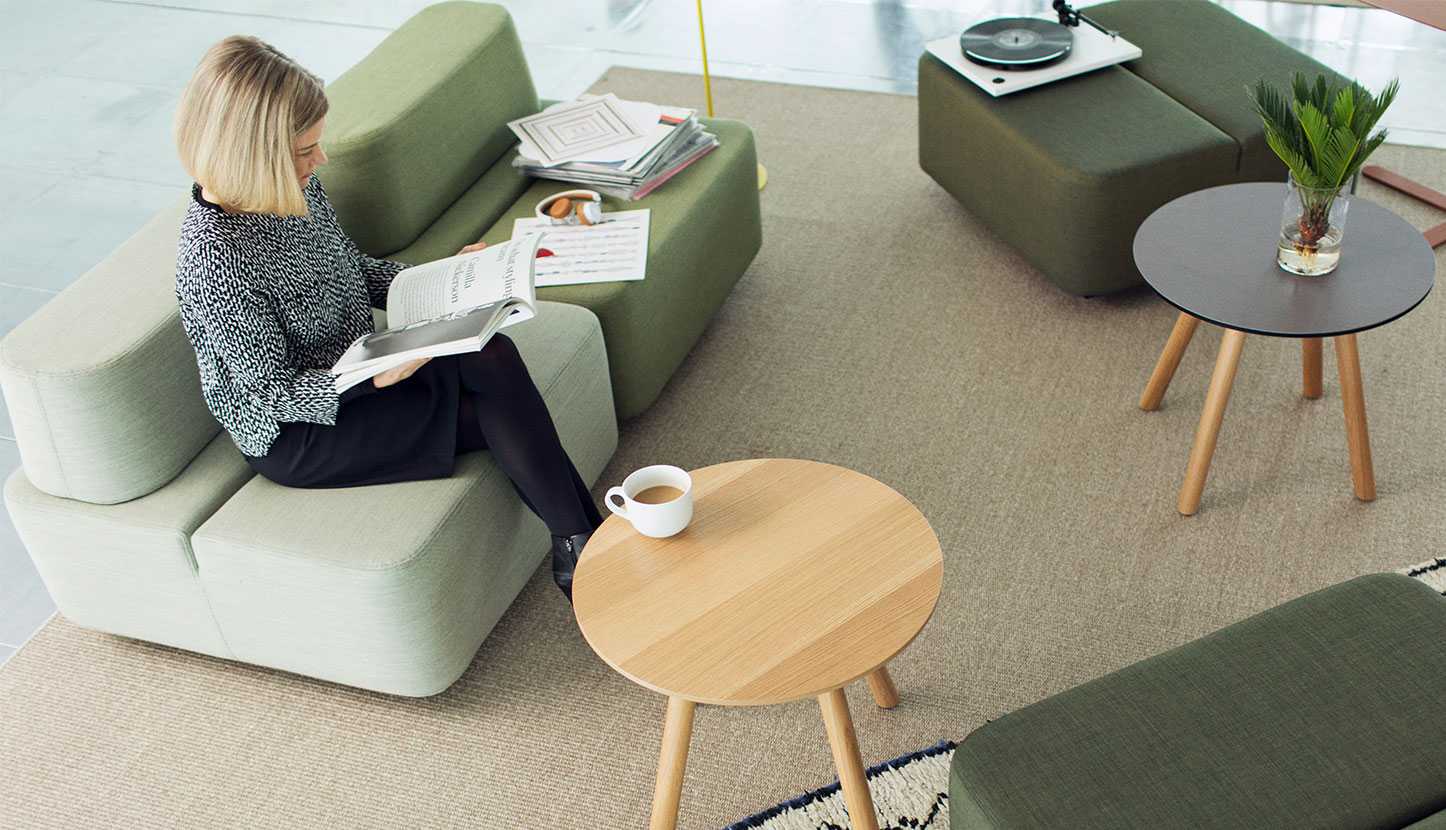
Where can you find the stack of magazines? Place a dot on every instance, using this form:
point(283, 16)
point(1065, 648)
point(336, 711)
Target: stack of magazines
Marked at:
point(625, 149)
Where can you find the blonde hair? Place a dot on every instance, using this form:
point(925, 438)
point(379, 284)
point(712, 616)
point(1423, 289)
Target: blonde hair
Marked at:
point(237, 122)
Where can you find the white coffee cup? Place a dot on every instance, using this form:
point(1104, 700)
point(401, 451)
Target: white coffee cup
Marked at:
point(656, 519)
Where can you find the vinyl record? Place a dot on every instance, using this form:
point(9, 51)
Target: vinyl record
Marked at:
point(1016, 42)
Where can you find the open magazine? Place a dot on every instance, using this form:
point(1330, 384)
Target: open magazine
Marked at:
point(450, 306)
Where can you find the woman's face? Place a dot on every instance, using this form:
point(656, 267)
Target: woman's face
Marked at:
point(307, 152)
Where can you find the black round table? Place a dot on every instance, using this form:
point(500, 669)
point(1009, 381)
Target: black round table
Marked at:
point(1211, 254)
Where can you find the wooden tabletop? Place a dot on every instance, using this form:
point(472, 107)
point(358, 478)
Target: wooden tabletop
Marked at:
point(794, 578)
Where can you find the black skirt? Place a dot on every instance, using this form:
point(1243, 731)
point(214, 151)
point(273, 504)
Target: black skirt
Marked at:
point(404, 432)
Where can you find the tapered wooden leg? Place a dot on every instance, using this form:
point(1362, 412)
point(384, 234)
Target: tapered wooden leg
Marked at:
point(851, 778)
point(672, 761)
point(1348, 362)
point(1210, 420)
point(885, 694)
point(1310, 367)
point(1169, 361)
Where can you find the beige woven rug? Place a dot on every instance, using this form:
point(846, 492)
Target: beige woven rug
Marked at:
point(880, 328)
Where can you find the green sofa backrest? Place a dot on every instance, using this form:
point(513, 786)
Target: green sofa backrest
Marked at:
point(417, 121)
point(101, 382)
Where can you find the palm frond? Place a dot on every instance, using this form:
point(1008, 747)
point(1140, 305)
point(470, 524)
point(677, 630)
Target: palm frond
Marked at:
point(1343, 109)
point(1319, 128)
point(1335, 163)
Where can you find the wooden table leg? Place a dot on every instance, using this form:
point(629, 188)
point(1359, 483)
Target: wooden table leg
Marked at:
point(1169, 361)
point(882, 685)
point(1310, 367)
point(845, 745)
point(1348, 362)
point(1210, 419)
point(672, 761)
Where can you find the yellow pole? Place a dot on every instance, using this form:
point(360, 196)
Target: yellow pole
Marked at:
point(703, 39)
point(708, 86)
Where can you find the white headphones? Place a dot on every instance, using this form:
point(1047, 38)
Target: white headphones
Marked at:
point(571, 207)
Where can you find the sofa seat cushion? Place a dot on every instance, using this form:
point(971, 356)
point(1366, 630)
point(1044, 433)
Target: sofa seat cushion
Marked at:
point(1066, 172)
point(1205, 57)
point(101, 382)
point(705, 230)
point(1322, 712)
point(420, 118)
point(393, 587)
point(128, 568)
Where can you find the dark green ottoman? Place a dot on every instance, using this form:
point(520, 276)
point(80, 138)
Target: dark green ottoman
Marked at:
point(1322, 712)
point(1066, 172)
point(1204, 57)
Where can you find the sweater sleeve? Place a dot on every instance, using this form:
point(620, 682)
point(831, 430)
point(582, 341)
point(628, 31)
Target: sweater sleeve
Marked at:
point(242, 328)
point(378, 273)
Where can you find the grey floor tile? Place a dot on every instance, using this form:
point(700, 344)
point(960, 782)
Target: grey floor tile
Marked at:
point(5, 653)
point(67, 125)
point(869, 44)
point(56, 234)
point(102, 40)
point(24, 603)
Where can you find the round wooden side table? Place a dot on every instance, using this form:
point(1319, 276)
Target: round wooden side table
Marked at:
point(794, 579)
point(1211, 254)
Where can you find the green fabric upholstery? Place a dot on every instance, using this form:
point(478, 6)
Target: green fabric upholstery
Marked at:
point(705, 230)
point(1066, 172)
point(1322, 712)
point(418, 120)
point(145, 521)
point(128, 568)
point(101, 382)
point(1204, 57)
point(473, 212)
point(393, 587)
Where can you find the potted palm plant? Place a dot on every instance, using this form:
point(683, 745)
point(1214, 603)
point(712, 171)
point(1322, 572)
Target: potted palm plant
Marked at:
point(1322, 131)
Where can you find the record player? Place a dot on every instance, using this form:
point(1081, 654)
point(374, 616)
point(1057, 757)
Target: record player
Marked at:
point(1009, 54)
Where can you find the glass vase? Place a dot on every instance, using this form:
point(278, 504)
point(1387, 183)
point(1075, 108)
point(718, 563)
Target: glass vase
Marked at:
point(1311, 227)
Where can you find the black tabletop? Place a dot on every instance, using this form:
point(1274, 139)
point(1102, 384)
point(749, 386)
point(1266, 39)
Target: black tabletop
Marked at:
point(1211, 254)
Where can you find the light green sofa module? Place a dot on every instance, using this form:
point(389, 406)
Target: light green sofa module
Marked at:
point(129, 568)
point(143, 518)
point(393, 587)
point(1324, 712)
point(391, 110)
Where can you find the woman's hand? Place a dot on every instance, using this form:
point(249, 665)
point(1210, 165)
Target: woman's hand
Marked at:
point(475, 246)
point(398, 373)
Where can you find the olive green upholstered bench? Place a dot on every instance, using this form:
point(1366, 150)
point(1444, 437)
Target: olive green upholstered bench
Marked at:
point(1066, 172)
point(402, 107)
point(1322, 712)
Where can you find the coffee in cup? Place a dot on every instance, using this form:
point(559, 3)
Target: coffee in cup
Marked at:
point(657, 500)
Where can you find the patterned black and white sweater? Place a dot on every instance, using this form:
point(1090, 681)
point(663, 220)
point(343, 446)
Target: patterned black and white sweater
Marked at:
point(269, 303)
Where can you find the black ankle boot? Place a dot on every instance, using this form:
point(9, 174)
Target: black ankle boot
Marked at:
point(565, 551)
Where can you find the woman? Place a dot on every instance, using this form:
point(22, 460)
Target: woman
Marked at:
point(272, 291)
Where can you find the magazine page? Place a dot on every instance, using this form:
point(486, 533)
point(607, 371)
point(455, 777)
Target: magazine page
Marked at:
point(437, 289)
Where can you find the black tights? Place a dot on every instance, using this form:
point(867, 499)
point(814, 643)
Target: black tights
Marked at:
point(500, 409)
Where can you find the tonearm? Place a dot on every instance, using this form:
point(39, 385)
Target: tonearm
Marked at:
point(1070, 17)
